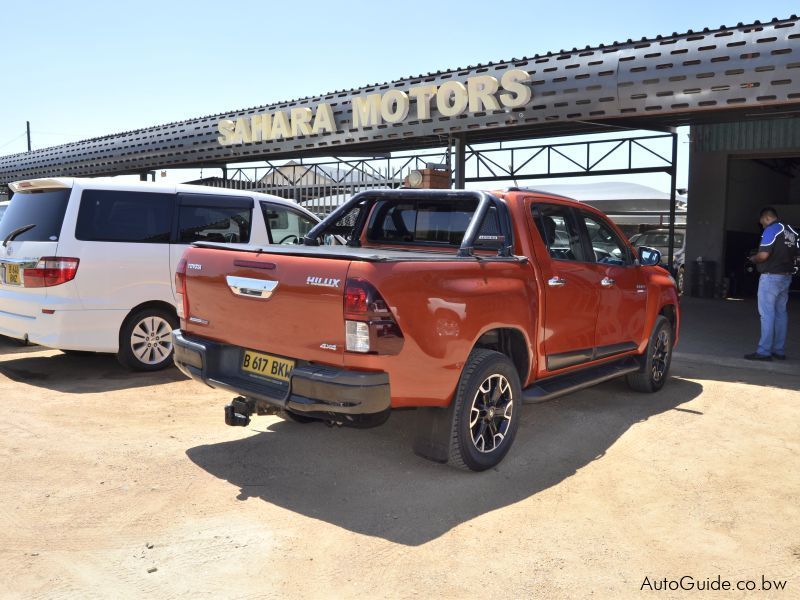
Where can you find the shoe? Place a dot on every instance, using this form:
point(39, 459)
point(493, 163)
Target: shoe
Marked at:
point(778, 356)
point(757, 356)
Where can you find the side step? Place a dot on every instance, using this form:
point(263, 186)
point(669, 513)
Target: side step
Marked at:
point(553, 387)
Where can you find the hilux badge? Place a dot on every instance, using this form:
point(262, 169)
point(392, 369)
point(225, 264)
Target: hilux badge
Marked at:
point(323, 281)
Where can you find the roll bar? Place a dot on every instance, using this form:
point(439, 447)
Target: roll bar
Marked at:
point(369, 197)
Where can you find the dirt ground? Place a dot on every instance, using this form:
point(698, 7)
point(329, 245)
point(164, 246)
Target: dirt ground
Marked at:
point(106, 476)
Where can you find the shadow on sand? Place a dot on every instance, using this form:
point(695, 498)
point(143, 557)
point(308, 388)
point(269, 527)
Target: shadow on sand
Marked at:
point(74, 374)
point(367, 481)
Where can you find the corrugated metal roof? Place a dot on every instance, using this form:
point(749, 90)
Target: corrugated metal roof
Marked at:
point(774, 135)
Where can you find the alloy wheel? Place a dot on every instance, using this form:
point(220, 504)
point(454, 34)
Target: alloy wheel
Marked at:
point(151, 340)
point(491, 413)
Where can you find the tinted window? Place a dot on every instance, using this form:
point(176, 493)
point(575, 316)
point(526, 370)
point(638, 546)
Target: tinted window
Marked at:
point(43, 209)
point(431, 221)
point(607, 246)
point(214, 224)
point(285, 226)
point(112, 216)
point(558, 232)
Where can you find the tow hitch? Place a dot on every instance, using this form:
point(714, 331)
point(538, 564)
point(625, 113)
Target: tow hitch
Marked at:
point(237, 413)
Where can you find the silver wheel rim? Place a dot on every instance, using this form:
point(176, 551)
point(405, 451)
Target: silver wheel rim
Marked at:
point(151, 341)
point(660, 355)
point(490, 414)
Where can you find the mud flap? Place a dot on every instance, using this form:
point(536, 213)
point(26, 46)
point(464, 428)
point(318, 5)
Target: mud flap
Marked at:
point(433, 430)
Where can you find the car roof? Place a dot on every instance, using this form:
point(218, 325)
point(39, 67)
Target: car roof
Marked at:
point(110, 183)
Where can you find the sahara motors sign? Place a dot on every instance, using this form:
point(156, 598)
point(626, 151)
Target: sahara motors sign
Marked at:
point(482, 93)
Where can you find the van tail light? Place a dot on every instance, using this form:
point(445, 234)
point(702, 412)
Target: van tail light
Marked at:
point(50, 271)
point(180, 289)
point(369, 325)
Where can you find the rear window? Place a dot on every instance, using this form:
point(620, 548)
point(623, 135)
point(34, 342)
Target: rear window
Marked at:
point(44, 209)
point(435, 222)
point(112, 216)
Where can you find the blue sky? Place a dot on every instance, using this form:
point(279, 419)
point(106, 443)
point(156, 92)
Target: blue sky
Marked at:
point(78, 70)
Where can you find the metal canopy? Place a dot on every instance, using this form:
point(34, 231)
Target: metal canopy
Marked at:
point(742, 72)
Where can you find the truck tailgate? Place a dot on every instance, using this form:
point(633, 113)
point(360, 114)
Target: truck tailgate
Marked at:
point(299, 312)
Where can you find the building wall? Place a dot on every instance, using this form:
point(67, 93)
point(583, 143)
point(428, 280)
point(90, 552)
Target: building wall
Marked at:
point(705, 218)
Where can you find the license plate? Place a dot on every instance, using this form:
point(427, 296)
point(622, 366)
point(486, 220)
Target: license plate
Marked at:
point(267, 365)
point(12, 274)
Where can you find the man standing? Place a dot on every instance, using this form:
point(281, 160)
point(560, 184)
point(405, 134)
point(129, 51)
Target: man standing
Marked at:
point(775, 261)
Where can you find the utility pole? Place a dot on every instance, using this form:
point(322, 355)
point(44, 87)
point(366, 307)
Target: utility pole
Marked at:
point(28, 123)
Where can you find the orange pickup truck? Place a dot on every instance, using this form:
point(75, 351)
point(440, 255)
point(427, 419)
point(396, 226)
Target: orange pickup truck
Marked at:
point(463, 305)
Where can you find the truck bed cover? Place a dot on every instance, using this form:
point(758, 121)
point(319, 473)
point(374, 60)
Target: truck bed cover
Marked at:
point(360, 254)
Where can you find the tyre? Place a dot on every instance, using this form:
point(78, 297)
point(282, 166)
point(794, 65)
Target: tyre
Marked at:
point(486, 411)
point(145, 340)
point(680, 282)
point(656, 361)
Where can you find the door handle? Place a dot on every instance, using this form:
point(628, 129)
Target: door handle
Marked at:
point(607, 282)
point(556, 281)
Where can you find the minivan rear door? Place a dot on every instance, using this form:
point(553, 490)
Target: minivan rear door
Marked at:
point(29, 230)
point(122, 239)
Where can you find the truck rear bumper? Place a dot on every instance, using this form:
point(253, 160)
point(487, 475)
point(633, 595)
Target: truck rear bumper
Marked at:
point(313, 390)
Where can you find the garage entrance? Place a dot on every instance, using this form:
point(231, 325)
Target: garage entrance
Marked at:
point(736, 169)
point(752, 184)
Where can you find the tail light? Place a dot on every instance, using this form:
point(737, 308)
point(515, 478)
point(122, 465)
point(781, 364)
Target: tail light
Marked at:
point(369, 324)
point(180, 289)
point(50, 271)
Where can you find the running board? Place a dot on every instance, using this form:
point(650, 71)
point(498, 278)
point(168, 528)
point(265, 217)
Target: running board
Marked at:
point(560, 385)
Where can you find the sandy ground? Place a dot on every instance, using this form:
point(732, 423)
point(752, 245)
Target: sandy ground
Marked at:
point(107, 475)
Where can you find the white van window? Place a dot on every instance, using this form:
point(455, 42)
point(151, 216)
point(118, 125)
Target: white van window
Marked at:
point(44, 209)
point(112, 216)
point(214, 224)
point(284, 225)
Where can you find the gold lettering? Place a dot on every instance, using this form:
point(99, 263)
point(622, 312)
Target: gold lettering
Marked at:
point(452, 98)
point(242, 133)
point(513, 81)
point(423, 94)
point(301, 121)
point(394, 106)
point(280, 126)
point(255, 128)
point(226, 127)
point(323, 122)
point(266, 127)
point(481, 93)
point(366, 110)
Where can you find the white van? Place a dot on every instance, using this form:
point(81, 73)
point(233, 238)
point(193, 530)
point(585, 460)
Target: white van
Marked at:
point(88, 264)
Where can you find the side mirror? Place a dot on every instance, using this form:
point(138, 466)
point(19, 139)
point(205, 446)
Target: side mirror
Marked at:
point(649, 256)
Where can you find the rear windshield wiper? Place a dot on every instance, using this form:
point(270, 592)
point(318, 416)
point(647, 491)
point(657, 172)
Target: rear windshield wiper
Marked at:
point(16, 232)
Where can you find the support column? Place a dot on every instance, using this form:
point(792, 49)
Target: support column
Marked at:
point(460, 149)
point(673, 184)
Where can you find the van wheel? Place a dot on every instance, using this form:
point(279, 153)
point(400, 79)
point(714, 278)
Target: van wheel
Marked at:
point(145, 340)
point(486, 412)
point(656, 361)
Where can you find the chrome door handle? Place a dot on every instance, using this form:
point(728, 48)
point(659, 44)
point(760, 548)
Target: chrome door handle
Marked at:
point(556, 282)
point(251, 288)
point(607, 282)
